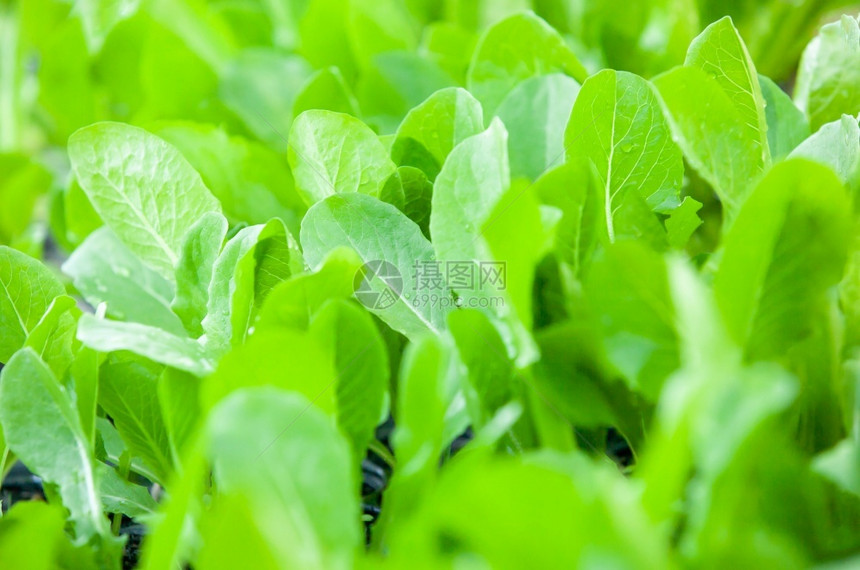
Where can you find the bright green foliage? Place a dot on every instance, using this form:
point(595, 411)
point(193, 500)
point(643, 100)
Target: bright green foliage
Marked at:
point(194, 270)
point(104, 270)
point(535, 114)
point(720, 52)
point(836, 145)
point(786, 125)
point(787, 248)
point(32, 537)
point(355, 221)
point(250, 180)
point(515, 49)
point(829, 72)
point(361, 361)
point(301, 486)
point(27, 289)
point(141, 187)
point(430, 131)
point(618, 125)
point(333, 153)
point(32, 400)
point(431, 284)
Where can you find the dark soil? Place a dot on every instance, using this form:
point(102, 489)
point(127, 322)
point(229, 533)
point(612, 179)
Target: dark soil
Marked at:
point(131, 554)
point(20, 485)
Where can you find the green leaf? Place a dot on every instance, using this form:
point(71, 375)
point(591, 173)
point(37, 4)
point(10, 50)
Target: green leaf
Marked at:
point(483, 352)
point(27, 289)
point(195, 268)
point(412, 193)
point(628, 291)
point(450, 46)
point(231, 537)
point(200, 29)
point(355, 220)
point(361, 360)
point(581, 513)
point(293, 303)
point(149, 87)
point(535, 113)
point(286, 359)
point(787, 248)
point(651, 36)
point(573, 188)
point(841, 465)
point(32, 536)
point(720, 52)
point(167, 546)
point(323, 36)
point(397, 82)
point(515, 235)
point(470, 185)
point(419, 437)
point(711, 132)
point(617, 123)
point(430, 131)
point(710, 411)
point(259, 85)
point(786, 125)
point(23, 181)
point(326, 89)
point(836, 145)
point(333, 153)
point(683, 222)
point(150, 342)
point(253, 261)
point(120, 496)
point(142, 188)
point(53, 336)
point(574, 374)
point(378, 26)
point(80, 218)
point(128, 392)
point(828, 74)
point(517, 48)
point(99, 18)
point(106, 271)
point(487, 262)
point(84, 375)
point(33, 403)
point(482, 14)
point(284, 19)
point(70, 94)
point(301, 486)
point(179, 396)
point(252, 182)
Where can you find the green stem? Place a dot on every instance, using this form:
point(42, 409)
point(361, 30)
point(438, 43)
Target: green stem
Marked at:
point(3, 469)
point(123, 469)
point(379, 449)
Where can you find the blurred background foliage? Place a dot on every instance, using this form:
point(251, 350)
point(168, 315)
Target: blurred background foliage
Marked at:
point(222, 80)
